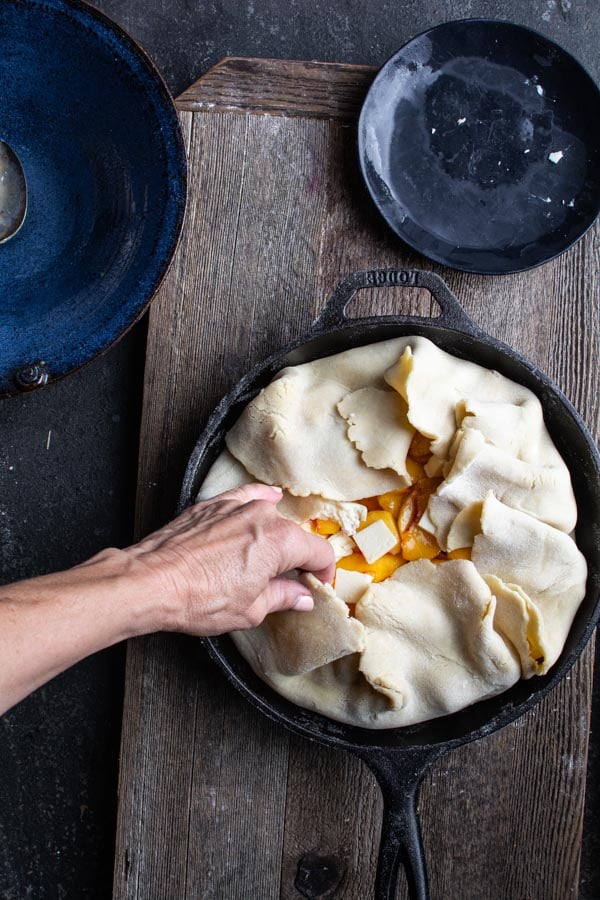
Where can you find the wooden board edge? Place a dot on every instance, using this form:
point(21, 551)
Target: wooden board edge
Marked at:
point(280, 87)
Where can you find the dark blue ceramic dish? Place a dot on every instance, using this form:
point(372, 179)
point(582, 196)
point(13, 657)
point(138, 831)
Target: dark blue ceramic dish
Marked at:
point(98, 137)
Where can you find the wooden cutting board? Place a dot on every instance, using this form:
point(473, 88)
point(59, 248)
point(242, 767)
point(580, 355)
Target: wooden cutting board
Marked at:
point(214, 800)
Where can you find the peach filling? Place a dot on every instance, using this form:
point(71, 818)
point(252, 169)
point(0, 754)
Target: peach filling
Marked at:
point(401, 512)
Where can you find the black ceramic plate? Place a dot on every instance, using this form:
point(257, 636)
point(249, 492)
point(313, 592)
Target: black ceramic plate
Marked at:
point(480, 144)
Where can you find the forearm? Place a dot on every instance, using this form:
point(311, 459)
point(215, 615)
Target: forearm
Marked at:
point(47, 624)
point(215, 568)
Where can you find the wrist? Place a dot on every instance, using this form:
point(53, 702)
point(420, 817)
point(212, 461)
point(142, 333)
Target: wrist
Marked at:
point(150, 603)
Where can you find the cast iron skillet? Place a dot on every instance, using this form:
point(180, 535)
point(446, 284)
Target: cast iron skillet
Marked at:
point(400, 757)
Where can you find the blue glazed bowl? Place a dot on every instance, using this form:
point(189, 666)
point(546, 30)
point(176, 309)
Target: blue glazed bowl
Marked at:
point(97, 135)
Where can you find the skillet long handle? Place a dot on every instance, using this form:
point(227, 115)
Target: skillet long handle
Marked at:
point(401, 842)
point(399, 775)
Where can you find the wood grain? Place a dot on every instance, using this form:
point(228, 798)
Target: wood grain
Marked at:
point(216, 802)
point(279, 87)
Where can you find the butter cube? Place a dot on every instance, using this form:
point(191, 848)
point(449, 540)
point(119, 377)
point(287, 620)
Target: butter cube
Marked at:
point(342, 545)
point(350, 586)
point(375, 541)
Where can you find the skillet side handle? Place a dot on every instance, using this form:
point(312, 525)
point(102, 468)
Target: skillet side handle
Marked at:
point(333, 314)
point(399, 775)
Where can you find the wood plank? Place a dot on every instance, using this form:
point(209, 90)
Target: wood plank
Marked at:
point(216, 802)
point(280, 87)
point(221, 294)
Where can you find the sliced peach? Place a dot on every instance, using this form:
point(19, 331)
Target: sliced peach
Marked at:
point(408, 511)
point(415, 469)
point(428, 485)
point(355, 562)
point(392, 500)
point(369, 502)
point(418, 544)
point(380, 570)
point(423, 490)
point(385, 566)
point(460, 553)
point(420, 447)
point(325, 526)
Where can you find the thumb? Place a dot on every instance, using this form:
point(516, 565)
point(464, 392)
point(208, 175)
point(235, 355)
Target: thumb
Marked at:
point(286, 593)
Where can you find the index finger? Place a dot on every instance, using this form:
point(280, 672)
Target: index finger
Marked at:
point(312, 553)
point(245, 493)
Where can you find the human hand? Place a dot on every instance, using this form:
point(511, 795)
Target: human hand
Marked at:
point(216, 568)
point(219, 566)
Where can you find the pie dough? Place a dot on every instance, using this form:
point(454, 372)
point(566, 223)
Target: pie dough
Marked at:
point(541, 491)
point(378, 427)
point(433, 637)
point(288, 644)
point(544, 572)
point(292, 434)
point(228, 473)
point(430, 643)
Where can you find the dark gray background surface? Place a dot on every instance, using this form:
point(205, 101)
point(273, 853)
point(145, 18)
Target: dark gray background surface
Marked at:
point(68, 454)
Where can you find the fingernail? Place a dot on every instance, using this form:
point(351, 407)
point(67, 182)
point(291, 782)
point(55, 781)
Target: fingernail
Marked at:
point(276, 488)
point(304, 604)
